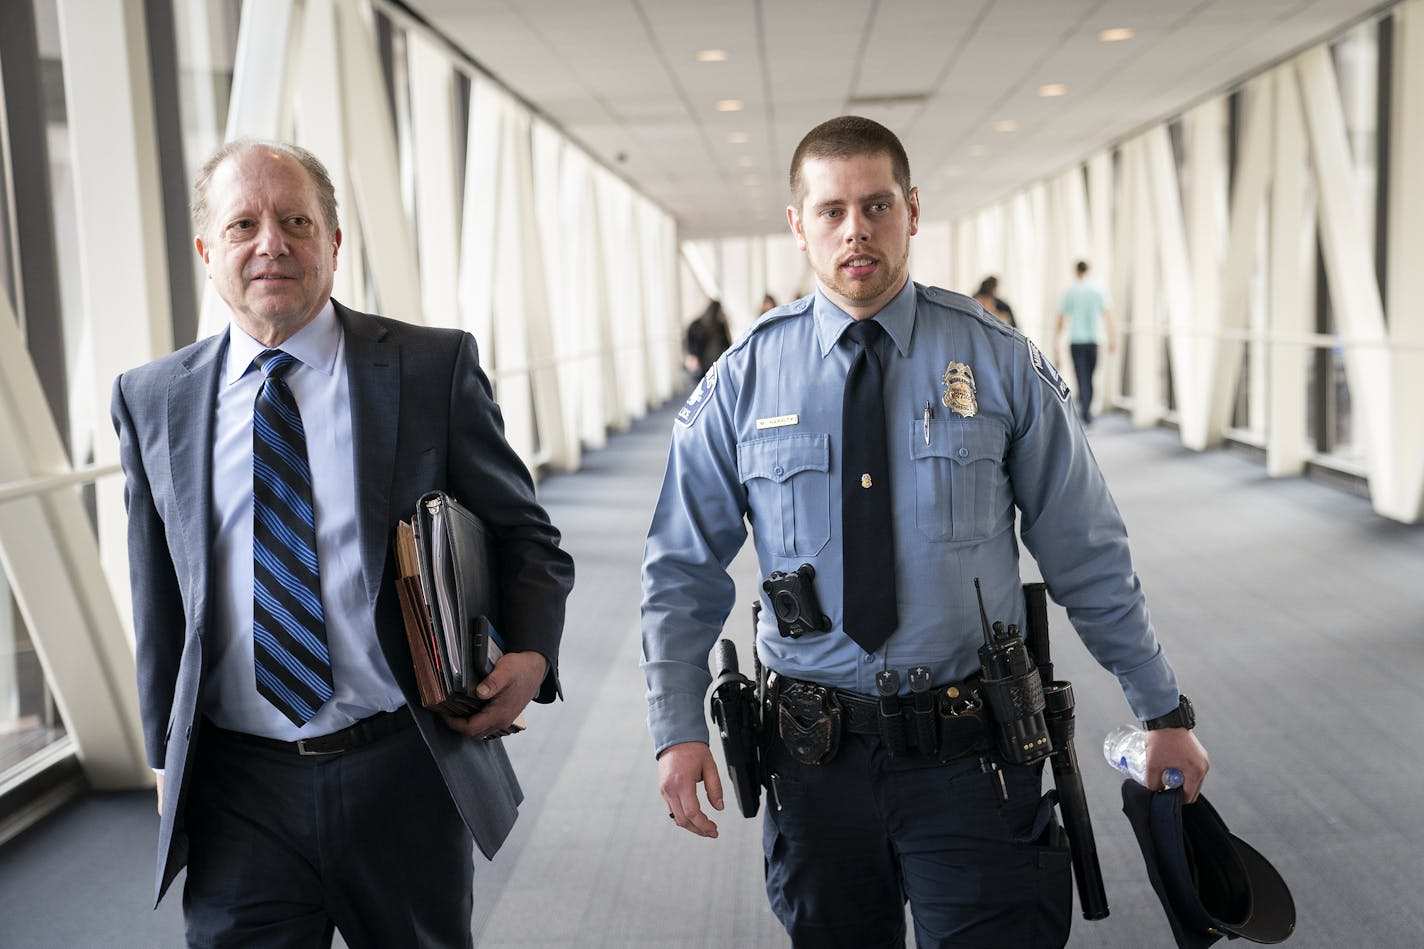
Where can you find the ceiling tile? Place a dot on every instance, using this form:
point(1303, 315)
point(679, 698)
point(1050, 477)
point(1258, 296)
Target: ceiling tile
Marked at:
point(620, 78)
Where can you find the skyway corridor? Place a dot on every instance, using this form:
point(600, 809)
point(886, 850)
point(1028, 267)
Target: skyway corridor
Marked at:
point(1294, 617)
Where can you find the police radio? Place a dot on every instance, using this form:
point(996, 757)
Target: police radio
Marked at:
point(1014, 691)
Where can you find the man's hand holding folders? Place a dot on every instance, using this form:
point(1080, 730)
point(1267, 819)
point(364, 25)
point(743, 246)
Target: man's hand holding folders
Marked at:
point(510, 686)
point(444, 557)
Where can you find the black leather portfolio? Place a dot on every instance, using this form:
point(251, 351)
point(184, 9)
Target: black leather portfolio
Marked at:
point(444, 556)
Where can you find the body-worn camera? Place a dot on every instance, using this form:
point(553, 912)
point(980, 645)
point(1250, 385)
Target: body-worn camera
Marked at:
point(793, 600)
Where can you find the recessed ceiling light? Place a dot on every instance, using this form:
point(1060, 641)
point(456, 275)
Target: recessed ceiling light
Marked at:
point(729, 105)
point(711, 55)
point(976, 151)
point(1115, 35)
point(746, 161)
point(1052, 89)
point(739, 138)
point(1006, 125)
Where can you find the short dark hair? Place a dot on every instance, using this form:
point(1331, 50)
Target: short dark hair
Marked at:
point(325, 193)
point(1081, 266)
point(849, 136)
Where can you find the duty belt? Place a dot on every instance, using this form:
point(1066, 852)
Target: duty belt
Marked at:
point(947, 721)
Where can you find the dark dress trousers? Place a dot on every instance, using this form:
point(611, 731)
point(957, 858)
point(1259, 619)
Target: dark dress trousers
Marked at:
point(423, 418)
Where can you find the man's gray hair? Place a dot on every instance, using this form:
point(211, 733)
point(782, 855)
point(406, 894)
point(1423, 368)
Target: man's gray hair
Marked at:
point(325, 193)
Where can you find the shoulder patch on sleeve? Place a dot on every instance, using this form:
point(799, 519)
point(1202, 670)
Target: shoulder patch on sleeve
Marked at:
point(697, 401)
point(1046, 372)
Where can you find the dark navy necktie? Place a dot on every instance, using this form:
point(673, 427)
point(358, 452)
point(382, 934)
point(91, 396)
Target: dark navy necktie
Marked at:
point(866, 535)
point(293, 666)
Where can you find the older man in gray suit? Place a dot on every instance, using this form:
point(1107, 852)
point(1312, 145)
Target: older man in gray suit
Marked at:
point(300, 780)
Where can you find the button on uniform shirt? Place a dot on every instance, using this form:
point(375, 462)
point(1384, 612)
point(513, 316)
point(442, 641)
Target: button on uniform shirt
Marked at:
point(758, 443)
point(363, 682)
point(1083, 304)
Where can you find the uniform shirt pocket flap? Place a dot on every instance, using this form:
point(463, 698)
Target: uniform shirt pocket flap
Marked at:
point(963, 441)
point(783, 456)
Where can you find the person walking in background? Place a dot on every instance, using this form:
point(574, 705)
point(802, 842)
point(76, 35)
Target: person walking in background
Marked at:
point(299, 779)
point(989, 290)
point(1087, 310)
point(992, 305)
point(707, 337)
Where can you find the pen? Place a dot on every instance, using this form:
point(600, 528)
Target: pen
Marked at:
point(927, 423)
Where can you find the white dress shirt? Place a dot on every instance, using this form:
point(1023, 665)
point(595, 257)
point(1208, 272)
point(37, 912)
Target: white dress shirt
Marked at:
point(363, 681)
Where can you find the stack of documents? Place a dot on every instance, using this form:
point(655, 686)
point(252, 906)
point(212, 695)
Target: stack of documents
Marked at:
point(446, 590)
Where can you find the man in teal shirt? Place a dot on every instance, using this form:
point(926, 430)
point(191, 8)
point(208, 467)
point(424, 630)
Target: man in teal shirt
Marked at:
point(1086, 308)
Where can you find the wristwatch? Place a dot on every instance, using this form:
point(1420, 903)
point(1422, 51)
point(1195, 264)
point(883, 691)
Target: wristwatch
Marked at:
point(1183, 716)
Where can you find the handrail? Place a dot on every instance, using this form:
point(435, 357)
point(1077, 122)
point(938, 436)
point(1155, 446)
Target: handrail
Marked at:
point(42, 485)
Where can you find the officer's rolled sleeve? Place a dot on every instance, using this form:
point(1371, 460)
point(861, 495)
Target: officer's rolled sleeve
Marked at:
point(1076, 533)
point(698, 527)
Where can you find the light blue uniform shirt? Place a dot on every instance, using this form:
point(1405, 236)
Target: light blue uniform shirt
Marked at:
point(1084, 304)
point(759, 443)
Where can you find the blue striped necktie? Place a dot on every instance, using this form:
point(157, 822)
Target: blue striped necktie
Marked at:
point(293, 666)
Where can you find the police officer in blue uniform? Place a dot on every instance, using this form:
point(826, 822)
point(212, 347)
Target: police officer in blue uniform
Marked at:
point(976, 424)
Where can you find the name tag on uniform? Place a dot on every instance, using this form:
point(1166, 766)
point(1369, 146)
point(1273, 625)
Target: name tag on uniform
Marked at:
point(778, 421)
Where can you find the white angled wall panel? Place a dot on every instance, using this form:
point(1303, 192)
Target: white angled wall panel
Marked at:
point(1286, 448)
point(432, 91)
point(374, 167)
point(1404, 276)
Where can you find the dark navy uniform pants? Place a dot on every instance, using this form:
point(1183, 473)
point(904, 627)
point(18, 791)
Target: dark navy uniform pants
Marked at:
point(1085, 363)
point(849, 841)
point(284, 848)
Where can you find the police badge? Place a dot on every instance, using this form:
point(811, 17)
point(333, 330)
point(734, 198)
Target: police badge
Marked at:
point(959, 392)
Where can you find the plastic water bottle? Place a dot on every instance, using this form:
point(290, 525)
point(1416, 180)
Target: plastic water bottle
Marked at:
point(1126, 750)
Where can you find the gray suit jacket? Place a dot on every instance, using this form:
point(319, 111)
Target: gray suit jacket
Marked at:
point(423, 418)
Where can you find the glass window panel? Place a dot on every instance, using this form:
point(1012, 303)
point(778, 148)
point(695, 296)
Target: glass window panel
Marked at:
point(7, 226)
point(398, 85)
point(75, 415)
point(1330, 421)
point(206, 37)
point(1177, 137)
point(29, 719)
point(1316, 409)
point(1241, 407)
point(1343, 442)
point(1169, 395)
point(1356, 58)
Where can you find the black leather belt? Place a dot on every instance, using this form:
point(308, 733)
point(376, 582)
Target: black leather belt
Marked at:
point(862, 712)
point(363, 733)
